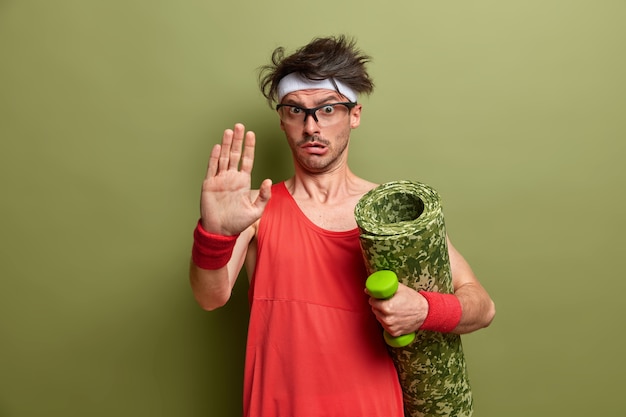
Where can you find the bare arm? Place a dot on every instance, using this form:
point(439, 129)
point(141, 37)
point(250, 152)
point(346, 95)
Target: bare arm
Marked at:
point(478, 308)
point(407, 309)
point(212, 287)
point(228, 207)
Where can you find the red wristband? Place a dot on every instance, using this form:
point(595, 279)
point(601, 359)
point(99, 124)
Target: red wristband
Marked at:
point(444, 312)
point(211, 251)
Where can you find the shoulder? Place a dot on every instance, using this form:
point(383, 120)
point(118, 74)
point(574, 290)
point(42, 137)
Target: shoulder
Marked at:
point(363, 186)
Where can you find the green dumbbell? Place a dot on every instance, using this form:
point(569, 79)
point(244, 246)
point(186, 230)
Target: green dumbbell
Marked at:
point(383, 284)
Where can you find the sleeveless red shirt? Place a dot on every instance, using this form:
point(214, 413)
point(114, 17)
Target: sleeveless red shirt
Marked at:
point(314, 347)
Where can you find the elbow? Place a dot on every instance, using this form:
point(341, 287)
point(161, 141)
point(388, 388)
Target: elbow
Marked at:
point(490, 313)
point(210, 306)
point(213, 301)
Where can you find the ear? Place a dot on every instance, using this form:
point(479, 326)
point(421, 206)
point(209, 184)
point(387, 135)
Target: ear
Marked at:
point(355, 116)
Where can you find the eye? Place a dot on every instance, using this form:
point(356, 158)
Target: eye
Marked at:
point(295, 110)
point(328, 109)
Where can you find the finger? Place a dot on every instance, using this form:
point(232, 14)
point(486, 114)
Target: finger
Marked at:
point(237, 144)
point(375, 307)
point(380, 318)
point(247, 161)
point(265, 193)
point(377, 302)
point(214, 161)
point(227, 140)
point(382, 307)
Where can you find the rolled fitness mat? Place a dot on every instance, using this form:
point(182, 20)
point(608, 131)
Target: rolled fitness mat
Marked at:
point(402, 230)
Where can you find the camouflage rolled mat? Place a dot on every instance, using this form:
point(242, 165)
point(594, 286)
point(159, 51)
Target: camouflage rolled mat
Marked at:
point(402, 229)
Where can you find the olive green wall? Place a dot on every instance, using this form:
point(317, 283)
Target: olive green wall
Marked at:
point(514, 111)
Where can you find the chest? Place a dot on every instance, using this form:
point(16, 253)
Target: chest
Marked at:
point(334, 217)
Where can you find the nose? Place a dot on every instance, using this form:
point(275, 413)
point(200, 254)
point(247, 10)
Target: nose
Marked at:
point(310, 124)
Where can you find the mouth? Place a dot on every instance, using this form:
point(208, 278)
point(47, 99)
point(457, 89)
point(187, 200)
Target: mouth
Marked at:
point(314, 145)
point(314, 148)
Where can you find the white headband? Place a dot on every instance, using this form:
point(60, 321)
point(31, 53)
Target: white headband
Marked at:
point(294, 82)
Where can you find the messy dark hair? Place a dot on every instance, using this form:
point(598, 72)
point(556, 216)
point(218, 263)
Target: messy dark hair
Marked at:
point(323, 58)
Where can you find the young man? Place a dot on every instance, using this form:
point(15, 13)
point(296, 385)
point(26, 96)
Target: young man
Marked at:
point(314, 343)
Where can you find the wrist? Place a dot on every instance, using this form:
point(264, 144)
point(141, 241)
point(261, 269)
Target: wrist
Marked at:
point(444, 312)
point(211, 251)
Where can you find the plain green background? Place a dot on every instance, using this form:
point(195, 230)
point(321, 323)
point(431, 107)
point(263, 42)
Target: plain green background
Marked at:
point(514, 111)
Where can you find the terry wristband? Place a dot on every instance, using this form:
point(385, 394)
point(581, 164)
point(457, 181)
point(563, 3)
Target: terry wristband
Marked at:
point(444, 312)
point(211, 251)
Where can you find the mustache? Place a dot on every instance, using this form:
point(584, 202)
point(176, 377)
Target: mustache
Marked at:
point(314, 138)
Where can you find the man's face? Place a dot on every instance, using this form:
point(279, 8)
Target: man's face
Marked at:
point(315, 148)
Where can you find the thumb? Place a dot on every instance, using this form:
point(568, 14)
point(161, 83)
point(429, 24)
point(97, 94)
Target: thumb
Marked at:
point(265, 193)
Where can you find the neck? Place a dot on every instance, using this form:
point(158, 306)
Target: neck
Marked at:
point(328, 200)
point(328, 187)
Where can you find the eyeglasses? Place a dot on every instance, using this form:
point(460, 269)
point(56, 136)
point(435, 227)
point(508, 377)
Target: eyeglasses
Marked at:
point(325, 115)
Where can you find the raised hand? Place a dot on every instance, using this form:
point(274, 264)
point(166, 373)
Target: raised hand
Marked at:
point(228, 205)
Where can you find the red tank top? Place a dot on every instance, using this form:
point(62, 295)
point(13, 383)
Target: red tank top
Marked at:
point(314, 346)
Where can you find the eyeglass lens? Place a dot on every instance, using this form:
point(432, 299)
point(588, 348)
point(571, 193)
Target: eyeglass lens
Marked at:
point(325, 115)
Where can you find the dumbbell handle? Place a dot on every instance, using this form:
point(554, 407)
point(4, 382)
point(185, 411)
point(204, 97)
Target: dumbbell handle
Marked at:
point(382, 285)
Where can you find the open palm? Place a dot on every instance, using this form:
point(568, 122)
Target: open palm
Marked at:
point(228, 205)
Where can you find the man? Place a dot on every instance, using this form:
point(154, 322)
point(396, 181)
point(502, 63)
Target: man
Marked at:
point(314, 342)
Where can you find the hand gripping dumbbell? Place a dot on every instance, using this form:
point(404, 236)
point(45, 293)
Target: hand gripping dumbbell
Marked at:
point(382, 285)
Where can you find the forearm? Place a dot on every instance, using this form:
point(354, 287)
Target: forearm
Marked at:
point(409, 310)
point(212, 287)
point(478, 310)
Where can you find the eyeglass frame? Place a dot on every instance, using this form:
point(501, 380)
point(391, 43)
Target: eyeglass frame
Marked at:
point(311, 111)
